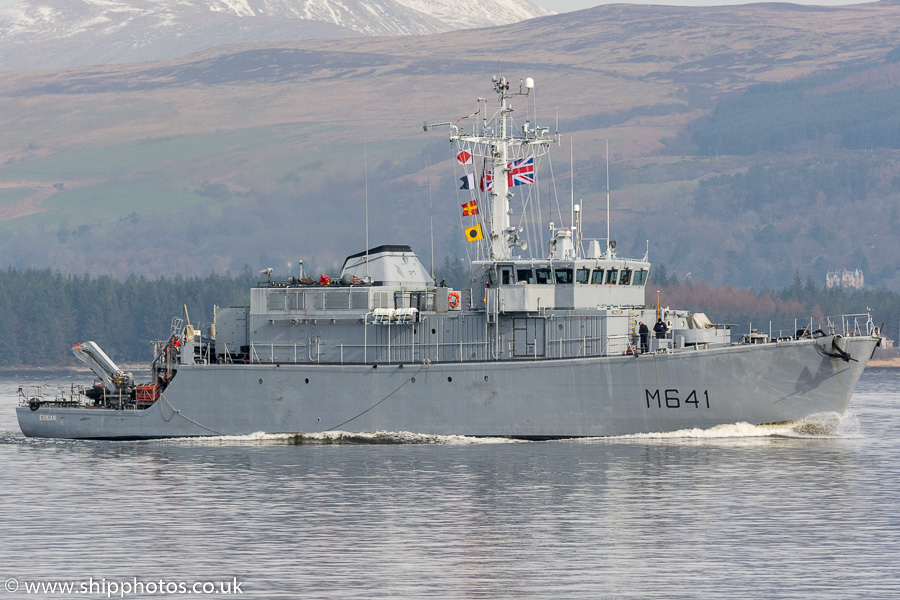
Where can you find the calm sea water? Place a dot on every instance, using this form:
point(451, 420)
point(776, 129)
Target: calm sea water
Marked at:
point(735, 512)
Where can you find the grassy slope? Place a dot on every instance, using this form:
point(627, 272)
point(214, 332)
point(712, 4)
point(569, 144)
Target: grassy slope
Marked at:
point(259, 155)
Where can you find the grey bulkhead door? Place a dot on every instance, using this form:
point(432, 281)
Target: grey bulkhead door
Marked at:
point(528, 338)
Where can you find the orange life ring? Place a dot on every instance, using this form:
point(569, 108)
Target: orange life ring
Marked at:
point(453, 299)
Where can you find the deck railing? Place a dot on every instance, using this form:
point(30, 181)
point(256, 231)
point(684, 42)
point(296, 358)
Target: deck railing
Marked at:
point(847, 325)
point(394, 351)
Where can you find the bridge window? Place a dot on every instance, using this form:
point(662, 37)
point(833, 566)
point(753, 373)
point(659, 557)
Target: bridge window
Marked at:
point(563, 275)
point(525, 275)
point(505, 276)
point(542, 275)
point(640, 277)
point(582, 275)
point(597, 276)
point(625, 277)
point(612, 276)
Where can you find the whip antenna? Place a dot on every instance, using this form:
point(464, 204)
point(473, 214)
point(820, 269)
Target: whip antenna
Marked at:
point(430, 202)
point(607, 197)
point(366, 171)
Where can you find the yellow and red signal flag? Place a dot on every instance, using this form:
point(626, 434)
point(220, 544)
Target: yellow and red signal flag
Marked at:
point(470, 208)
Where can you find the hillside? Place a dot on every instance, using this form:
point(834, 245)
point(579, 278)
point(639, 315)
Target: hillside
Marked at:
point(258, 155)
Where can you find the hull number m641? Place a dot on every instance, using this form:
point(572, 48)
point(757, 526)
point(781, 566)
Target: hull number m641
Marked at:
point(674, 398)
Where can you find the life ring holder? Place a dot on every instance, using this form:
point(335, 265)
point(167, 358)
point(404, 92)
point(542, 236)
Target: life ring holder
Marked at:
point(453, 299)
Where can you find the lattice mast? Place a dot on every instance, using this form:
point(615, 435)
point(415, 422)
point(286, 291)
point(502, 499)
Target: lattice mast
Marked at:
point(498, 143)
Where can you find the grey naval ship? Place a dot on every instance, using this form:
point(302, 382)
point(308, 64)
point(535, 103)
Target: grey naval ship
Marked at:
point(539, 346)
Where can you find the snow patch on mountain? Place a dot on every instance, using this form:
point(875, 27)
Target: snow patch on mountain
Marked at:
point(60, 33)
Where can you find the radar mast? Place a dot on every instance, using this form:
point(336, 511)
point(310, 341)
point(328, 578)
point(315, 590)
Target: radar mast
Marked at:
point(500, 146)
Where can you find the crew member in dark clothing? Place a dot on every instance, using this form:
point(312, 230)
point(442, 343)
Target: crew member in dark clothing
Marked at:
point(645, 335)
point(660, 329)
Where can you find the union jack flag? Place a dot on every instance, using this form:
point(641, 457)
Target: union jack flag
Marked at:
point(521, 172)
point(487, 182)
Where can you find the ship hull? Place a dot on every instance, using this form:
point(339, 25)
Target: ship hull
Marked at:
point(591, 396)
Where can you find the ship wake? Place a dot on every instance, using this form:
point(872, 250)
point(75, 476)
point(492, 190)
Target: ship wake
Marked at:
point(821, 425)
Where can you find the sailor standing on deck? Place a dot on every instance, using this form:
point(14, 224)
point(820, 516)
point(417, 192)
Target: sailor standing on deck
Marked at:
point(660, 329)
point(645, 334)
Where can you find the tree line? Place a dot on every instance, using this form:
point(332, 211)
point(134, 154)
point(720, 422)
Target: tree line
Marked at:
point(44, 312)
point(794, 304)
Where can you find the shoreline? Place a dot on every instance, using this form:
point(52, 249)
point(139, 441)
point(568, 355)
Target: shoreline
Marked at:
point(878, 363)
point(139, 368)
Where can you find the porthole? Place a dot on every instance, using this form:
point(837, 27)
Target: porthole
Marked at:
point(449, 379)
point(485, 377)
point(413, 379)
point(260, 382)
point(306, 380)
point(433, 332)
point(560, 326)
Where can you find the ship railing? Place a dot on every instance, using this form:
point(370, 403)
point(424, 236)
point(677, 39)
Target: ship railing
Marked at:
point(38, 394)
point(609, 345)
point(274, 354)
point(368, 353)
point(569, 347)
point(852, 325)
point(847, 325)
point(177, 326)
point(456, 351)
point(482, 350)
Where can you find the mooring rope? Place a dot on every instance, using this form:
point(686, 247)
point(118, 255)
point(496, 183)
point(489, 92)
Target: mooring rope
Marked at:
point(425, 363)
point(175, 411)
point(178, 412)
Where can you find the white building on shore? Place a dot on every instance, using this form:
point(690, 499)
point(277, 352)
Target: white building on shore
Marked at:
point(845, 279)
